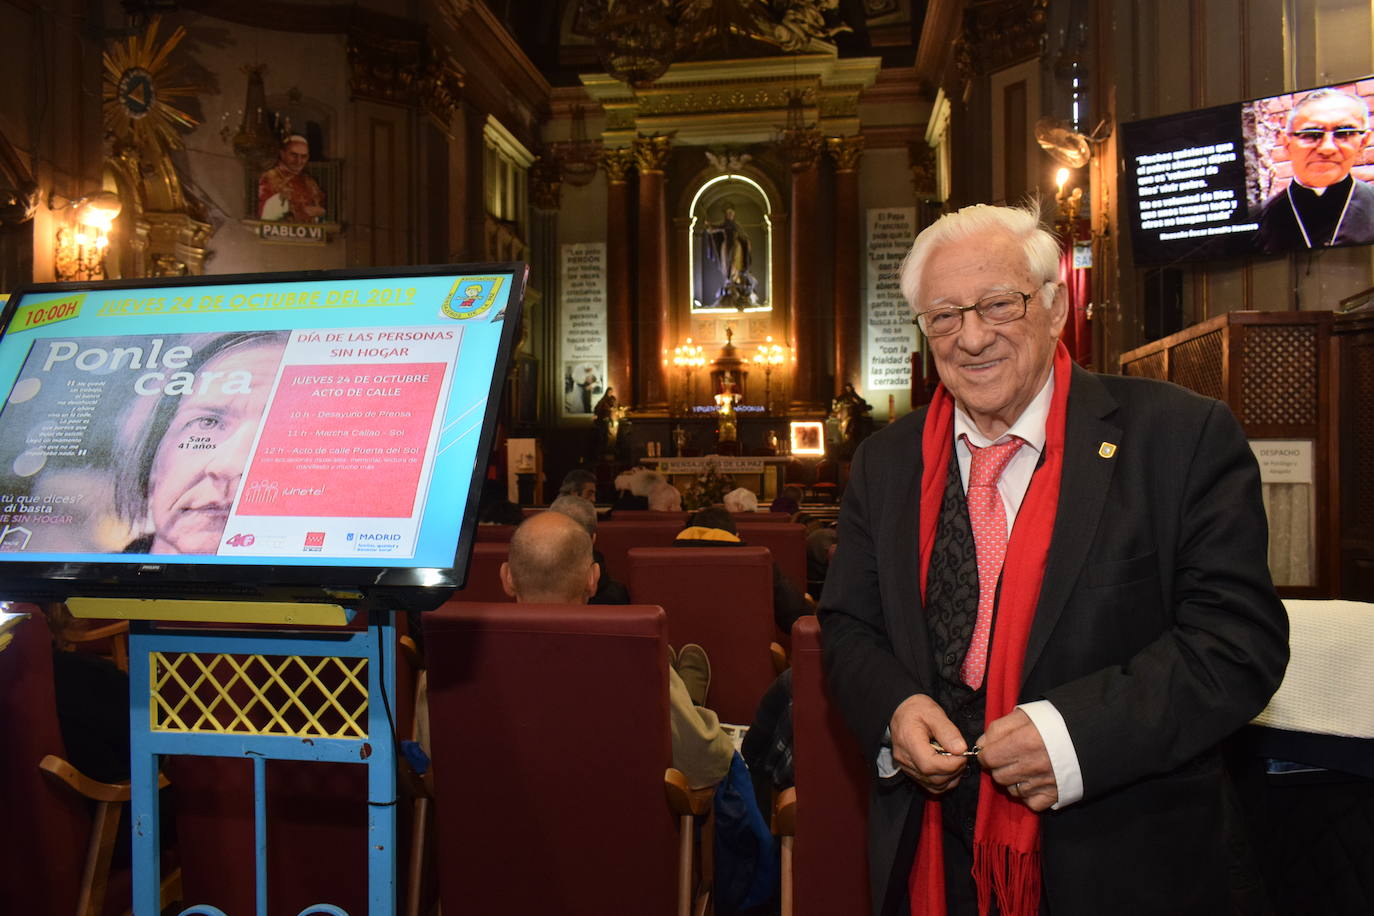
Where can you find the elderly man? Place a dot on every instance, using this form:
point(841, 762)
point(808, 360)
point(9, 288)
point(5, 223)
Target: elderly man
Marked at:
point(608, 591)
point(1049, 604)
point(551, 563)
point(1324, 204)
point(286, 191)
point(580, 483)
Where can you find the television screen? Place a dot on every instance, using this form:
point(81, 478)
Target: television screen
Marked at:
point(311, 436)
point(1268, 176)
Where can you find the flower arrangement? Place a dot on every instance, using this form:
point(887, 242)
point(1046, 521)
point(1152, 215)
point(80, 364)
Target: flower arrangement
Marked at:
point(707, 489)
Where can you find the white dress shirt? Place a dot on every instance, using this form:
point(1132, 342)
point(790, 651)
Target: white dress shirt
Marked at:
point(1012, 486)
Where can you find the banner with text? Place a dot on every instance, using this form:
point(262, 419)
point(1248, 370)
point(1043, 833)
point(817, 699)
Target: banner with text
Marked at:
point(583, 308)
point(891, 335)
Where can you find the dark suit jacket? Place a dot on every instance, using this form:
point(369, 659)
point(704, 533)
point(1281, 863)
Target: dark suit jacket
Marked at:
point(1157, 634)
point(1279, 232)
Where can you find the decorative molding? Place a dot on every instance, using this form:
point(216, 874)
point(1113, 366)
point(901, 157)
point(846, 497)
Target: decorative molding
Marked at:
point(924, 174)
point(403, 71)
point(617, 163)
point(176, 244)
point(546, 184)
point(845, 152)
point(1000, 33)
point(688, 99)
point(651, 153)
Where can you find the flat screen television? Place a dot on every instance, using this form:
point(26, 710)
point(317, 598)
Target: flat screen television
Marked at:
point(313, 436)
point(1268, 176)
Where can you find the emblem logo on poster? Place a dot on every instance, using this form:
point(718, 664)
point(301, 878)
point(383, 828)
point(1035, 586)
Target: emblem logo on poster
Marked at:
point(241, 540)
point(314, 540)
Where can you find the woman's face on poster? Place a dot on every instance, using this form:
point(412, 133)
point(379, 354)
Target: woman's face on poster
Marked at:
point(205, 449)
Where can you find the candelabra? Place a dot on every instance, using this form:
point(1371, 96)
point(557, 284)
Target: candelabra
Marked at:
point(688, 357)
point(769, 355)
point(79, 254)
point(1070, 201)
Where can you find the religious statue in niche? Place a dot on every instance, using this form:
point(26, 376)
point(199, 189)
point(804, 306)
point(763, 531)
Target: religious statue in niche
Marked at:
point(728, 250)
point(286, 192)
point(854, 416)
point(605, 425)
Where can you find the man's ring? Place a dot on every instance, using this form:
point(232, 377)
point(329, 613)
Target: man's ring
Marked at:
point(1016, 789)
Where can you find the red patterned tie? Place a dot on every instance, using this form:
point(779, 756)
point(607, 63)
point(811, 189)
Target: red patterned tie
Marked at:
point(989, 519)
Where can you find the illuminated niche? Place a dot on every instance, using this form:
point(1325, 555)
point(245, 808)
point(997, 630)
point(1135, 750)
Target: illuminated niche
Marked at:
point(731, 238)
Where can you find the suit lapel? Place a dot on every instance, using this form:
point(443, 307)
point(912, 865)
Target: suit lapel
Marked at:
point(1087, 474)
point(901, 561)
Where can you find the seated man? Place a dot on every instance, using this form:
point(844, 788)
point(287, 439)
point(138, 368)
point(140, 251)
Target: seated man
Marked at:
point(608, 591)
point(551, 563)
point(579, 482)
point(714, 527)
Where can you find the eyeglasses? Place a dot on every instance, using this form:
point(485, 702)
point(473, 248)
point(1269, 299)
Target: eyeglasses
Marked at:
point(1313, 136)
point(995, 309)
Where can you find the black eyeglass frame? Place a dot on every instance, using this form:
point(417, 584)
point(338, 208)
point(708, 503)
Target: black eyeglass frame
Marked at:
point(979, 307)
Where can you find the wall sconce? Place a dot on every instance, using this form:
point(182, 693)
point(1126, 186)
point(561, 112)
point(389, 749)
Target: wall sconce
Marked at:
point(768, 356)
point(1069, 201)
point(79, 255)
point(688, 357)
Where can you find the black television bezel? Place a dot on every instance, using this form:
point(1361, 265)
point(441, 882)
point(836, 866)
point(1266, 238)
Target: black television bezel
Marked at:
point(1217, 248)
point(362, 588)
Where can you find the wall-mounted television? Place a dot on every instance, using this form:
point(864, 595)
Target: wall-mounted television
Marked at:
point(311, 436)
point(1285, 173)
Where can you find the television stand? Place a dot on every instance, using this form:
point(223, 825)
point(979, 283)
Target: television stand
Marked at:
point(306, 693)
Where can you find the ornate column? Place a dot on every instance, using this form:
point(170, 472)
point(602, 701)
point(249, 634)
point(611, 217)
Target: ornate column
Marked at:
point(846, 152)
point(651, 156)
point(620, 368)
point(808, 373)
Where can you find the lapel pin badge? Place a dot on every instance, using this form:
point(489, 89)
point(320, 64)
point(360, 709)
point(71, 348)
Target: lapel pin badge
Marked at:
point(1106, 450)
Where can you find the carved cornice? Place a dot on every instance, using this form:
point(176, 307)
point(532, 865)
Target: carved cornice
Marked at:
point(546, 185)
point(924, 180)
point(401, 71)
point(845, 152)
point(1000, 33)
point(743, 95)
point(651, 153)
point(617, 163)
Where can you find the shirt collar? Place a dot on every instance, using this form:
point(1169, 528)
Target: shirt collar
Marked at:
point(1030, 426)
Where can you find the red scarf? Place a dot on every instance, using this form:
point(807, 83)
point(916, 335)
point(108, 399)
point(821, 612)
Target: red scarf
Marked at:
point(1006, 834)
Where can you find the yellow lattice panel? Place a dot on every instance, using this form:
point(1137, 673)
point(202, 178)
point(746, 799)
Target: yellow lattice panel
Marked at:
point(287, 695)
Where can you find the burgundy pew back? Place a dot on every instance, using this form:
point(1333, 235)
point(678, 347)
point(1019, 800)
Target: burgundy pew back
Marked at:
point(830, 857)
point(47, 826)
point(550, 740)
point(615, 539)
point(787, 544)
point(721, 598)
point(484, 573)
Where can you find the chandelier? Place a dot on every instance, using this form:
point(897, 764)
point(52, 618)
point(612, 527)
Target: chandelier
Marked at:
point(636, 42)
point(578, 157)
point(798, 140)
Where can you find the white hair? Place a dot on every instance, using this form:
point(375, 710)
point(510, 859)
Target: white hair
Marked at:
point(1021, 223)
point(741, 499)
point(1320, 94)
point(664, 497)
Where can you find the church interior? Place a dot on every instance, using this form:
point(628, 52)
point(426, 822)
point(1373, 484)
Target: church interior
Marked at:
point(714, 199)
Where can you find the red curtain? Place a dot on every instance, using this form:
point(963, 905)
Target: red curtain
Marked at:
point(1077, 334)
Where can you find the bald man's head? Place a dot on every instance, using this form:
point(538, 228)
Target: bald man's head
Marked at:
point(550, 562)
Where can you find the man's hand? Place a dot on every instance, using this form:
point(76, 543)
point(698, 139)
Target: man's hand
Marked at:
point(915, 722)
point(1014, 755)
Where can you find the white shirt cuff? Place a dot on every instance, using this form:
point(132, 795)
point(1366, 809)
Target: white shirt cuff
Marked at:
point(887, 767)
point(1063, 757)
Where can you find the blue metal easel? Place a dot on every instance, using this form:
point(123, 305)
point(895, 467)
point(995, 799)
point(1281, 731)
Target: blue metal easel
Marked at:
point(266, 695)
